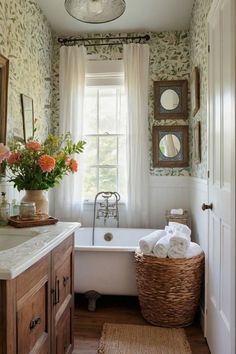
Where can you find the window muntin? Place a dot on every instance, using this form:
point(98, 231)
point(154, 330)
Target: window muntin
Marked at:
point(105, 133)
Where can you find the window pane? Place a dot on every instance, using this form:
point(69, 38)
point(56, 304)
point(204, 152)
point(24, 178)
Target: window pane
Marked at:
point(90, 151)
point(122, 151)
point(107, 179)
point(90, 111)
point(90, 183)
point(108, 150)
point(107, 110)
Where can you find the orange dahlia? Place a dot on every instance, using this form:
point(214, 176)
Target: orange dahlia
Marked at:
point(73, 165)
point(46, 163)
point(14, 158)
point(33, 145)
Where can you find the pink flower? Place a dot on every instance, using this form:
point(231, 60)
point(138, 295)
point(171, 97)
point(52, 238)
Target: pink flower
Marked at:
point(46, 163)
point(14, 158)
point(33, 145)
point(67, 161)
point(4, 152)
point(73, 165)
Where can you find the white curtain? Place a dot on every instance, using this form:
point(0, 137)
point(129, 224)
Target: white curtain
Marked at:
point(68, 203)
point(136, 68)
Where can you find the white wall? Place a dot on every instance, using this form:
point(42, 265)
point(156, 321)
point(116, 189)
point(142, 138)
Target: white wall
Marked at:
point(197, 196)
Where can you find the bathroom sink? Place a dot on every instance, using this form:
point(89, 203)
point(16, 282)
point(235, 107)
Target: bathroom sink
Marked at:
point(10, 238)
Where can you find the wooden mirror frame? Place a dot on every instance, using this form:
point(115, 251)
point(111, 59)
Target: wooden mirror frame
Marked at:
point(158, 160)
point(24, 99)
point(4, 75)
point(181, 88)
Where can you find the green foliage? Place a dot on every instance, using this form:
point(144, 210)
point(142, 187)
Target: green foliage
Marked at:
point(28, 173)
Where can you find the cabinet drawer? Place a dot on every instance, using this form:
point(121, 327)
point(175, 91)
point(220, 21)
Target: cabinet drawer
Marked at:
point(32, 323)
point(32, 276)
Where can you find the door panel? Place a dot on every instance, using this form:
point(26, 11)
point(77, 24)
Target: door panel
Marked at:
point(220, 316)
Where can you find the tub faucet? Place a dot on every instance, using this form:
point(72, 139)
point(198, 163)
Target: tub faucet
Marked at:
point(107, 208)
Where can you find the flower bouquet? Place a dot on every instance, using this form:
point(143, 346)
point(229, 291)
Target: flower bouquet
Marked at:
point(33, 166)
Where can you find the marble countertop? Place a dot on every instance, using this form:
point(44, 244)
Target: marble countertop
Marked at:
point(14, 261)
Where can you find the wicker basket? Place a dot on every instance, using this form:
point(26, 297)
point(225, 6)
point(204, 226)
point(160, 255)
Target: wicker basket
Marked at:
point(169, 289)
point(182, 219)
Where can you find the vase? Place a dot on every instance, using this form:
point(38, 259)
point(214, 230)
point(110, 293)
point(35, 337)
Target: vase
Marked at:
point(40, 199)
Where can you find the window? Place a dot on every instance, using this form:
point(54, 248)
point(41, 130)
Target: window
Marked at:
point(105, 134)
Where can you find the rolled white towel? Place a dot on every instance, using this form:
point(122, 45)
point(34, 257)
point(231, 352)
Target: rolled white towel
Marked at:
point(175, 226)
point(147, 243)
point(193, 250)
point(169, 230)
point(176, 252)
point(179, 244)
point(162, 246)
point(177, 211)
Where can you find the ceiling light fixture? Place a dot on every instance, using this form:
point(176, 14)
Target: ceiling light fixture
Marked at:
point(95, 11)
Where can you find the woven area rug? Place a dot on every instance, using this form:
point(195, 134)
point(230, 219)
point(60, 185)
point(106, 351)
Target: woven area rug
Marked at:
point(135, 339)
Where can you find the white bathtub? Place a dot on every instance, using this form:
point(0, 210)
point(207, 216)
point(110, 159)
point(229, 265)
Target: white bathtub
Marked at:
point(108, 266)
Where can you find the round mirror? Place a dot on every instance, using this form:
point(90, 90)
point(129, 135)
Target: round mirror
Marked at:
point(170, 145)
point(169, 100)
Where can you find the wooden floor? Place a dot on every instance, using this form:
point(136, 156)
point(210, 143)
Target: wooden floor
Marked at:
point(88, 325)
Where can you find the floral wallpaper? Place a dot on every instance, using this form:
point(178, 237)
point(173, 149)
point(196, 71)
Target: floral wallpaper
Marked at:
point(198, 58)
point(169, 60)
point(26, 40)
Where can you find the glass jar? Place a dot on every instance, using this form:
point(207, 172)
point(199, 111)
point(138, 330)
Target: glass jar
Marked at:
point(27, 210)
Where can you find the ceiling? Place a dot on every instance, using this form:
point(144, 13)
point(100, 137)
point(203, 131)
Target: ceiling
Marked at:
point(140, 15)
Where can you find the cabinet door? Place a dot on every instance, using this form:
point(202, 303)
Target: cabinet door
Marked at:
point(63, 296)
point(32, 309)
point(64, 332)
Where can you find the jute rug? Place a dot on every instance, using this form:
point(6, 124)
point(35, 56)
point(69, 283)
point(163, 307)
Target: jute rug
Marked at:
point(134, 339)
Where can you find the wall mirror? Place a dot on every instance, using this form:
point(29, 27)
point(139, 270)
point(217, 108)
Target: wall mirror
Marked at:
point(27, 105)
point(170, 146)
point(4, 74)
point(170, 99)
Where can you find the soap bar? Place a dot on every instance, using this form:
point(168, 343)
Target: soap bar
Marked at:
point(177, 212)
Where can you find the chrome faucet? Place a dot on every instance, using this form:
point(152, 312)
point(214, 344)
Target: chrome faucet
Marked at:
point(107, 209)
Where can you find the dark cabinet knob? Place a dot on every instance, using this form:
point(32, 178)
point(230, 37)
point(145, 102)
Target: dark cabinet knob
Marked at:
point(65, 280)
point(34, 323)
point(207, 206)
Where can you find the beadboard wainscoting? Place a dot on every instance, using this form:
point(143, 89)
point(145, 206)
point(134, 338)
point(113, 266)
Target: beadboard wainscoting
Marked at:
point(167, 192)
point(198, 195)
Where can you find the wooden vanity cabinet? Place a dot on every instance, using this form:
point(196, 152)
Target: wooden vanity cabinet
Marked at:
point(36, 308)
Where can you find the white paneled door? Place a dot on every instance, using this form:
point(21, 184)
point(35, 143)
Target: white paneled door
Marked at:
point(220, 319)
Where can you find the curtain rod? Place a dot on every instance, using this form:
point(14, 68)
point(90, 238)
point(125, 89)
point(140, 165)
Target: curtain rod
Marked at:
point(74, 41)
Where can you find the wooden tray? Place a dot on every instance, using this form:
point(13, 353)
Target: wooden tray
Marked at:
point(17, 222)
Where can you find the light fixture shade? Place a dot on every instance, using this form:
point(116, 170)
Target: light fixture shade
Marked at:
point(95, 11)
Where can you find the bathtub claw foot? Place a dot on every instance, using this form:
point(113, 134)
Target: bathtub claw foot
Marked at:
point(92, 297)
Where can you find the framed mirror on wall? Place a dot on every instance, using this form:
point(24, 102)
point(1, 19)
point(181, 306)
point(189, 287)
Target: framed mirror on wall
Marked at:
point(195, 90)
point(170, 146)
point(4, 76)
point(171, 99)
point(27, 105)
